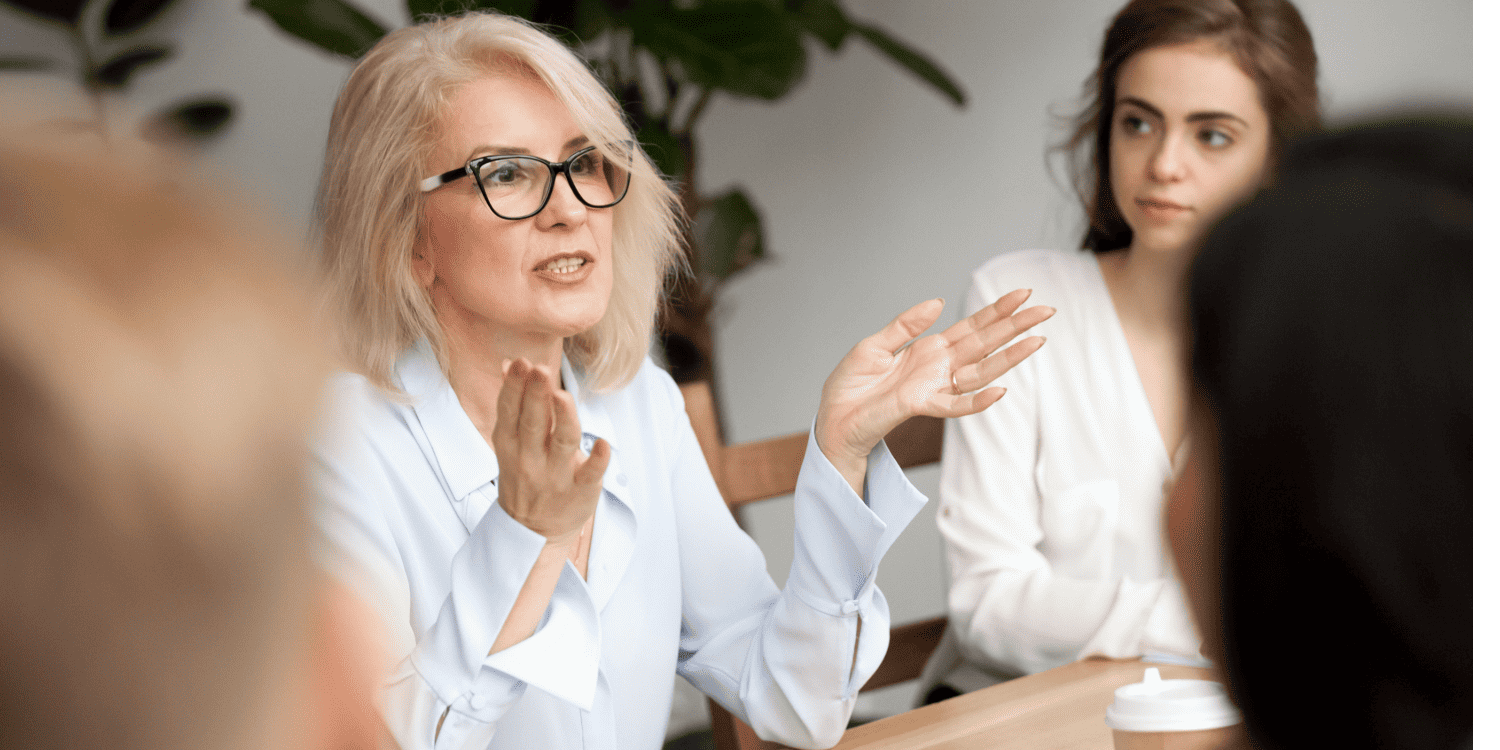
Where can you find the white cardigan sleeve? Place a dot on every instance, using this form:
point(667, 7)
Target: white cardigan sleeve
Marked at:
point(1010, 606)
point(785, 661)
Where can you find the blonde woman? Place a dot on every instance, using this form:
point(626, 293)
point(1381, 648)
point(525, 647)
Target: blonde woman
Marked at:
point(521, 472)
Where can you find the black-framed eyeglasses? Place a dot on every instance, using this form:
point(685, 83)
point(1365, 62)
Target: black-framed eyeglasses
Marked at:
point(518, 186)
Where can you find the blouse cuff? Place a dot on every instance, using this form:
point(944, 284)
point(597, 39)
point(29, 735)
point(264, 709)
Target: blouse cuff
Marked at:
point(562, 657)
point(454, 658)
point(835, 573)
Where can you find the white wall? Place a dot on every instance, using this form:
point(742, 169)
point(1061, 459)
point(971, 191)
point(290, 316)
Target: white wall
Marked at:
point(876, 192)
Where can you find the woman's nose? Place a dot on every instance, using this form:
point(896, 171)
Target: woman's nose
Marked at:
point(1168, 163)
point(563, 208)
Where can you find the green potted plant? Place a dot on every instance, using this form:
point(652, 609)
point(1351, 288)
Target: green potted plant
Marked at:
point(110, 42)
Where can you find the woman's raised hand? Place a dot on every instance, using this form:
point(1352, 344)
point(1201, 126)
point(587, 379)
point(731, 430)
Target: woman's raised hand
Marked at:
point(547, 482)
point(880, 384)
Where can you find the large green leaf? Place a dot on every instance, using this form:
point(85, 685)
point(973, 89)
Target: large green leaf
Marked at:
point(745, 47)
point(663, 148)
point(824, 19)
point(912, 60)
point(333, 25)
point(66, 11)
point(125, 16)
point(193, 120)
point(116, 72)
point(728, 235)
point(419, 8)
point(587, 19)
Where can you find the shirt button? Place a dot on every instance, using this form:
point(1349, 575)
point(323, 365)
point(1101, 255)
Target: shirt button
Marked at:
point(850, 607)
point(621, 479)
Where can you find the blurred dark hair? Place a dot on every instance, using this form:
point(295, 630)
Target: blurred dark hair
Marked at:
point(1332, 325)
point(1266, 37)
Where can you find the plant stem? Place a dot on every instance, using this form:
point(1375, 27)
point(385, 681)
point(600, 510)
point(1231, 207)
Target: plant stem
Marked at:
point(612, 57)
point(86, 70)
point(696, 112)
point(673, 89)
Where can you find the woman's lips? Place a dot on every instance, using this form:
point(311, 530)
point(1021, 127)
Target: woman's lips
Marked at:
point(1160, 209)
point(566, 268)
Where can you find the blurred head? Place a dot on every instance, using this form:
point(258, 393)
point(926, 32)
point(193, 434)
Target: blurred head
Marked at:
point(424, 101)
point(1170, 172)
point(158, 373)
point(1325, 536)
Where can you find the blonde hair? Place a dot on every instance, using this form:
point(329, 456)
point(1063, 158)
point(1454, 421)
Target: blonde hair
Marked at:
point(386, 121)
point(158, 375)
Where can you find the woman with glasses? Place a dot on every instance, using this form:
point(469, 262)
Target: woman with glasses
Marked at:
point(518, 487)
point(1052, 504)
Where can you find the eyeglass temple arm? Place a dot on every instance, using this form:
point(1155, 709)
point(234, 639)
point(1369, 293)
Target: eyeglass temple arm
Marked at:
point(433, 183)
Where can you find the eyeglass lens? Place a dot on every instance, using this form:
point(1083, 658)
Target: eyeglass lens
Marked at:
point(517, 185)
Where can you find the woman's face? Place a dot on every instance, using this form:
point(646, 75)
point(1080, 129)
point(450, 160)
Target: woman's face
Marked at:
point(518, 279)
point(1190, 140)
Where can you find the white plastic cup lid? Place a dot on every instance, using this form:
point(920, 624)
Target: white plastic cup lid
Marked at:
point(1157, 705)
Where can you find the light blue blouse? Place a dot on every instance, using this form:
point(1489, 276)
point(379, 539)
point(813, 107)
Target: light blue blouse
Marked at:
point(409, 510)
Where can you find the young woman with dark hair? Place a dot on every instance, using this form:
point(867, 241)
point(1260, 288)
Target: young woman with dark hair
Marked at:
point(1051, 503)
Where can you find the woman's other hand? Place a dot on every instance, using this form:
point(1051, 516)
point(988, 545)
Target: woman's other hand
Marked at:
point(547, 482)
point(880, 384)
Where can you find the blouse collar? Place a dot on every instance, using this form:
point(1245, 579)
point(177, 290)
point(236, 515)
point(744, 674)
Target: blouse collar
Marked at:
point(464, 458)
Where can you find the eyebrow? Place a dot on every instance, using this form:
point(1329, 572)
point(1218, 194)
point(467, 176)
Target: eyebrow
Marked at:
point(571, 146)
point(1193, 117)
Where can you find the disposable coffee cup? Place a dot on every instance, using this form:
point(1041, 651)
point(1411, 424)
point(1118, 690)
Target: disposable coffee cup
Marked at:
point(1157, 714)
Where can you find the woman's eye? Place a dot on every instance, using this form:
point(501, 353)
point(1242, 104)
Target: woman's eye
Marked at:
point(1136, 125)
point(585, 165)
point(505, 172)
point(1215, 138)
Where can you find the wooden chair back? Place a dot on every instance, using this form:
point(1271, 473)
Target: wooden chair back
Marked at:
point(764, 469)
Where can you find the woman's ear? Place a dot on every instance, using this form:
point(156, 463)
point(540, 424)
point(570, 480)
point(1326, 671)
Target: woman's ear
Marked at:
point(422, 268)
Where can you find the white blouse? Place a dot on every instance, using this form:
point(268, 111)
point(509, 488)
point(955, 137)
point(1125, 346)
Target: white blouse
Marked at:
point(1051, 502)
point(410, 512)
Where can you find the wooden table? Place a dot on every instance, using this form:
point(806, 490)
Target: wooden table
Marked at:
point(1060, 709)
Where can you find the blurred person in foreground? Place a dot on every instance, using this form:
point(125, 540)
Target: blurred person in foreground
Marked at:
point(1324, 530)
point(158, 375)
point(499, 244)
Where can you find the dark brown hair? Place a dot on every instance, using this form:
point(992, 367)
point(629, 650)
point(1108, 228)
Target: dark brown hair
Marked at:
point(1266, 37)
